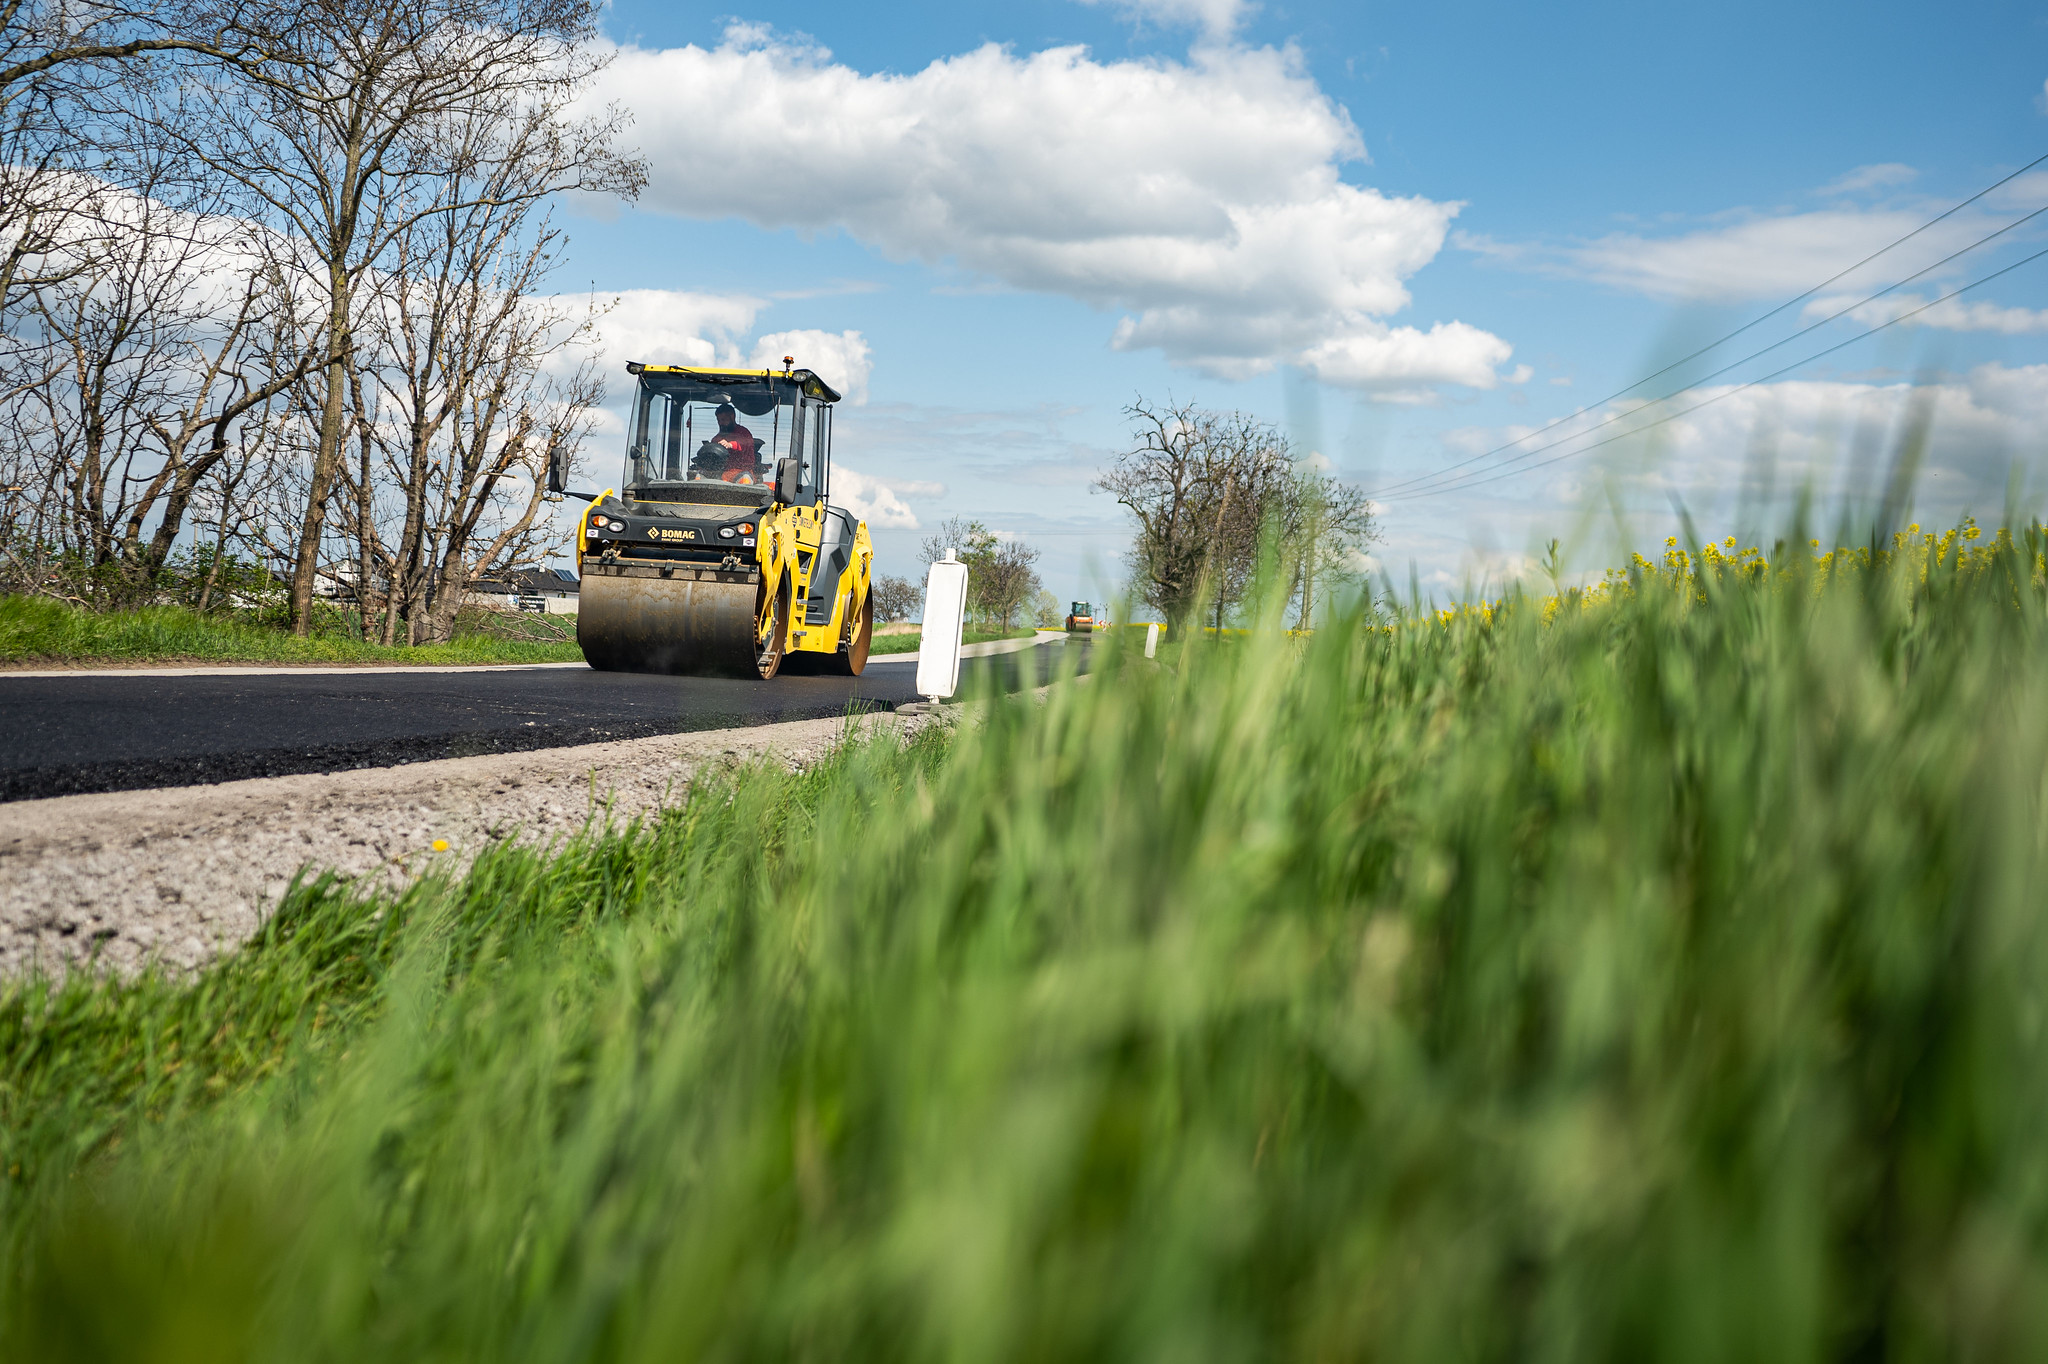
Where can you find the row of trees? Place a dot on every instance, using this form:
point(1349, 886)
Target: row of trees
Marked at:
point(272, 282)
point(1221, 503)
point(1222, 508)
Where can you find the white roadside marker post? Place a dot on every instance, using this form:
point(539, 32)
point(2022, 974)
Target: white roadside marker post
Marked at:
point(1152, 639)
point(945, 612)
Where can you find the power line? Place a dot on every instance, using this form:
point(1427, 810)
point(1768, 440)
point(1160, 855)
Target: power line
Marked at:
point(1474, 481)
point(1737, 364)
point(1712, 345)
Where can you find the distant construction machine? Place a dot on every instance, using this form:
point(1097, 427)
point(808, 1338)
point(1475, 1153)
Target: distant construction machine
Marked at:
point(721, 554)
point(1080, 618)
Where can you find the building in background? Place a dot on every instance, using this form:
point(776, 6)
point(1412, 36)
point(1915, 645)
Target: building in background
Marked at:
point(552, 590)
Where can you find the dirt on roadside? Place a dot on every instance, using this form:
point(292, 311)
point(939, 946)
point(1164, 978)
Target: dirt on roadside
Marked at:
point(179, 875)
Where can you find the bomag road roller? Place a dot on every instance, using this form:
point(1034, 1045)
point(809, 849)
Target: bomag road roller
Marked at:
point(722, 552)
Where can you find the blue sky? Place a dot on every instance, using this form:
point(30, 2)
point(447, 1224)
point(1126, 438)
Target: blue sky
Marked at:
point(1404, 234)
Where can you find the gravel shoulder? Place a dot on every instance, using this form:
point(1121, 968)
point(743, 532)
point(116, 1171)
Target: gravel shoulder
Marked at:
point(177, 876)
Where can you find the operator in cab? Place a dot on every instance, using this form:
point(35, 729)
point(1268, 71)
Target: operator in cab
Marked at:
point(731, 456)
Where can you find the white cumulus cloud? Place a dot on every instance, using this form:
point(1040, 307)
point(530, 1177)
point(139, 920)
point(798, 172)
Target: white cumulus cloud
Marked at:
point(1200, 199)
point(841, 359)
point(676, 327)
point(1765, 257)
point(878, 503)
point(1761, 445)
point(1448, 353)
point(1742, 255)
point(1863, 179)
point(1952, 314)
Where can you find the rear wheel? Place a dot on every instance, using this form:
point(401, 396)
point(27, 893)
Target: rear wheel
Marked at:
point(853, 651)
point(771, 631)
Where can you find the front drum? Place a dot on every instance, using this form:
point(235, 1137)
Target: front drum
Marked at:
point(687, 621)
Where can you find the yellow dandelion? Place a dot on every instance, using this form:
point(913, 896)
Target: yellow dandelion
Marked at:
point(440, 845)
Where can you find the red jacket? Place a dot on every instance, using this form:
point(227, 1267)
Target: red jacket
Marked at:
point(736, 443)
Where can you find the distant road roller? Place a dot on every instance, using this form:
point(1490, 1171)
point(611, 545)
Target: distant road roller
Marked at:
point(722, 553)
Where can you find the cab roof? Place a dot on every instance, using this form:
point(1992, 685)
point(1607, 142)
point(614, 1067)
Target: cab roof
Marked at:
point(807, 381)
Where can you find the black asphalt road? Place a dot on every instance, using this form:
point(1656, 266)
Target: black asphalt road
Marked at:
point(106, 731)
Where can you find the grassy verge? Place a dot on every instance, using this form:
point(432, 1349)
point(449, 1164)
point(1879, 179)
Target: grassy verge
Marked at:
point(1659, 982)
point(907, 644)
point(38, 630)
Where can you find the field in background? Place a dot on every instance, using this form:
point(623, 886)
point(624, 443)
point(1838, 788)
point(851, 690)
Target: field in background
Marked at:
point(906, 642)
point(38, 630)
point(1654, 973)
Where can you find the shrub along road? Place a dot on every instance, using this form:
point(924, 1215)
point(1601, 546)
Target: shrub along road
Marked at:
point(113, 731)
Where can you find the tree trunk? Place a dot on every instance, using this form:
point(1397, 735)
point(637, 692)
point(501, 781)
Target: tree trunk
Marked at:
point(220, 548)
point(365, 506)
point(306, 566)
point(450, 581)
point(406, 582)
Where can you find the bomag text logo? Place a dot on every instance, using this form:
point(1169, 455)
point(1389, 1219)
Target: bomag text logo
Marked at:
point(669, 533)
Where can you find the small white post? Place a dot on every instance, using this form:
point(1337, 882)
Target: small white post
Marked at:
point(945, 613)
point(1152, 639)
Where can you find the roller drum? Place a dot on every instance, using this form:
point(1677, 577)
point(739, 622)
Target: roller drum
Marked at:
point(668, 625)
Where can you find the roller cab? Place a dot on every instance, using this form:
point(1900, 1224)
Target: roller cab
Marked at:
point(721, 552)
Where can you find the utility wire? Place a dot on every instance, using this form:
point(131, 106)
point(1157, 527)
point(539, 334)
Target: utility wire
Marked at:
point(1474, 480)
point(1735, 364)
point(1753, 322)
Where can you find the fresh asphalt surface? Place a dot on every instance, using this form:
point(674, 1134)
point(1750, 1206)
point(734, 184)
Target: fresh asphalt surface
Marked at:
point(106, 731)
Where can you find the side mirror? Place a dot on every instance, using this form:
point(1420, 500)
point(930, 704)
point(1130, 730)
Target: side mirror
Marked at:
point(789, 475)
point(557, 460)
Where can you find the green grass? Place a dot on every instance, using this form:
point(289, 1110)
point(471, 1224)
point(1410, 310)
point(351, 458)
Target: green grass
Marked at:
point(1663, 982)
point(38, 630)
point(907, 644)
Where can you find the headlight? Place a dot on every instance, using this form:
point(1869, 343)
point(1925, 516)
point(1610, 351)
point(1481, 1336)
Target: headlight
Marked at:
point(726, 532)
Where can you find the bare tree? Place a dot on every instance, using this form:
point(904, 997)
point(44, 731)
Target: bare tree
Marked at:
point(1000, 573)
point(324, 154)
point(474, 369)
point(57, 61)
point(260, 352)
point(339, 112)
point(968, 540)
point(1201, 486)
point(1009, 578)
point(149, 333)
point(40, 40)
point(895, 598)
point(1209, 490)
point(503, 440)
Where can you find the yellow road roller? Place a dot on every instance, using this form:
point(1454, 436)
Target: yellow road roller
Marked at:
point(722, 553)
